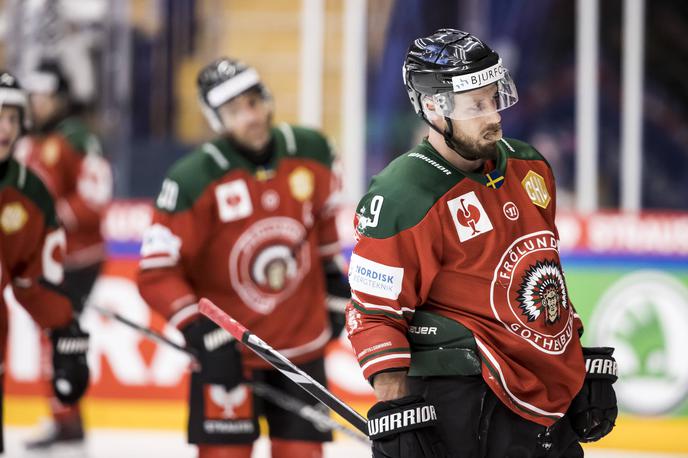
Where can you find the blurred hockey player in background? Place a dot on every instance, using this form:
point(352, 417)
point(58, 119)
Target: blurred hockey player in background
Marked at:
point(31, 250)
point(247, 220)
point(68, 157)
point(460, 315)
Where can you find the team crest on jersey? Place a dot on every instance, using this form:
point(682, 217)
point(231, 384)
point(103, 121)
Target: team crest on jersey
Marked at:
point(543, 292)
point(528, 293)
point(50, 152)
point(469, 216)
point(301, 183)
point(13, 217)
point(268, 262)
point(536, 188)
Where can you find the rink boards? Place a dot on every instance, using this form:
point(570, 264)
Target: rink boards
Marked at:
point(627, 277)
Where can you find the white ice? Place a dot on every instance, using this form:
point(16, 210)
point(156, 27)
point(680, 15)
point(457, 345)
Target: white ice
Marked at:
point(117, 443)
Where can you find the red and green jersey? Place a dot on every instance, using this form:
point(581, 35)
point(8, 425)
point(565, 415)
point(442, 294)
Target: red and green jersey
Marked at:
point(70, 162)
point(250, 238)
point(31, 248)
point(480, 249)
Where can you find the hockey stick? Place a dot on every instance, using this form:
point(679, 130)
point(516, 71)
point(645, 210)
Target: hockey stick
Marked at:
point(148, 332)
point(305, 411)
point(265, 391)
point(281, 363)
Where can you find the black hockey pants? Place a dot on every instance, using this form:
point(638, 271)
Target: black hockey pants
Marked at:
point(475, 424)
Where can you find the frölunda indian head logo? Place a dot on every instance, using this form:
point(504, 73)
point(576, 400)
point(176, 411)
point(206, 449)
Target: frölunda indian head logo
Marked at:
point(528, 294)
point(543, 293)
point(644, 315)
point(268, 262)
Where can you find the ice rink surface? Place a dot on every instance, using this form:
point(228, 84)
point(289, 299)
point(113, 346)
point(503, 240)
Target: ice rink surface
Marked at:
point(117, 443)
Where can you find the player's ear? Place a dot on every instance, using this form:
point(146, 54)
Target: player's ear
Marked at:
point(429, 109)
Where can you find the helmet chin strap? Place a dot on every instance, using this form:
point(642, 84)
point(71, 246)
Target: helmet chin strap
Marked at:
point(448, 135)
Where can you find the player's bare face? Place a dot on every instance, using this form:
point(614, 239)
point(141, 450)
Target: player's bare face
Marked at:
point(44, 107)
point(247, 119)
point(477, 137)
point(9, 130)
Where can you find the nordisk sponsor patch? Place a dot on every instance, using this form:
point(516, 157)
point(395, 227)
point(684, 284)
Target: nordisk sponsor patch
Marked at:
point(373, 278)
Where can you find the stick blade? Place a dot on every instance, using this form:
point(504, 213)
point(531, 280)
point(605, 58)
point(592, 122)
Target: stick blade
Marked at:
point(221, 318)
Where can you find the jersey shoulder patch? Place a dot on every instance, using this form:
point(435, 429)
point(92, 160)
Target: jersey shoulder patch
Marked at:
point(402, 194)
point(28, 184)
point(304, 142)
point(79, 137)
point(191, 175)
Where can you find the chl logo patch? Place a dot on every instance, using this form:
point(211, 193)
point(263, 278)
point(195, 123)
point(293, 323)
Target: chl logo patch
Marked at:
point(536, 188)
point(470, 218)
point(50, 152)
point(233, 201)
point(301, 183)
point(13, 217)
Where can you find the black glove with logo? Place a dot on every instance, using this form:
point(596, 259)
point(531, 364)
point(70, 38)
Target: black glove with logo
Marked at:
point(70, 370)
point(338, 296)
point(405, 428)
point(593, 410)
point(215, 348)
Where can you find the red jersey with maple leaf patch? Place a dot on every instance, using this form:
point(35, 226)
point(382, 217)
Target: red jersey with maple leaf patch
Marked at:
point(250, 238)
point(69, 160)
point(31, 248)
point(480, 249)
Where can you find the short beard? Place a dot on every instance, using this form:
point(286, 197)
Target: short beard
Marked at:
point(247, 146)
point(471, 150)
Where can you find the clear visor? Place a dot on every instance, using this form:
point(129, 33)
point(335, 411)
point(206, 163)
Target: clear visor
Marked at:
point(474, 103)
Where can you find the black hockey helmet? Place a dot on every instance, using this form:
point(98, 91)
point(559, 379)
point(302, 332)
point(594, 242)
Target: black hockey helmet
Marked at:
point(12, 94)
point(455, 75)
point(451, 62)
point(221, 81)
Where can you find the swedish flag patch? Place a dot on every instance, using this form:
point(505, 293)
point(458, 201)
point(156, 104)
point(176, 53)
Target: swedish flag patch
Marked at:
point(495, 179)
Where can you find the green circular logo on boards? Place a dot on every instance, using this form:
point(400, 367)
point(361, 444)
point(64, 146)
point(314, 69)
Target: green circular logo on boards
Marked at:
point(644, 315)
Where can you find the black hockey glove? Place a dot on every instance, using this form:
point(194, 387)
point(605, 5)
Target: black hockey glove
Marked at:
point(593, 410)
point(70, 370)
point(404, 428)
point(338, 295)
point(219, 359)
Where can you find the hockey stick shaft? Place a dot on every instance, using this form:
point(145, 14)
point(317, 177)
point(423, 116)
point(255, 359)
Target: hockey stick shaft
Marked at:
point(144, 330)
point(303, 410)
point(281, 363)
point(265, 391)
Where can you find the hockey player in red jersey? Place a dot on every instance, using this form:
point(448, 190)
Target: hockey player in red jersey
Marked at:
point(31, 250)
point(68, 158)
point(247, 220)
point(459, 305)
